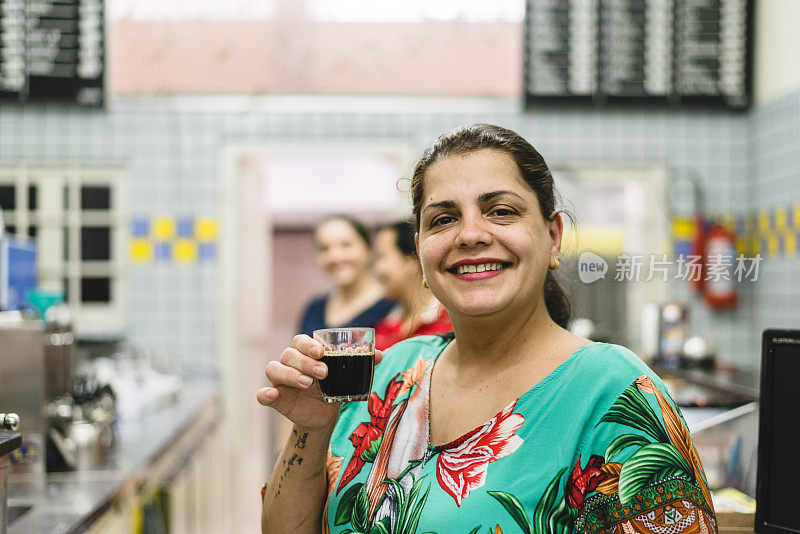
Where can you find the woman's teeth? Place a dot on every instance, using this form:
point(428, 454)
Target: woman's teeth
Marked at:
point(463, 269)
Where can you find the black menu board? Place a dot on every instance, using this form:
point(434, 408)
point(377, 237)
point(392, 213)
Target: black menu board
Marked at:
point(52, 50)
point(674, 52)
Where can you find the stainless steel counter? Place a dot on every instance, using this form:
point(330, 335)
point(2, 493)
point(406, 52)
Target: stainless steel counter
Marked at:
point(741, 385)
point(70, 502)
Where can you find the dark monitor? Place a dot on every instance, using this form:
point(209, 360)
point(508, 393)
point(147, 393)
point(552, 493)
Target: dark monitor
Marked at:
point(778, 479)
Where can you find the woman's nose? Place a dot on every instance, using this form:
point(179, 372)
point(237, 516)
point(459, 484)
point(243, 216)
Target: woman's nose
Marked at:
point(473, 232)
point(336, 254)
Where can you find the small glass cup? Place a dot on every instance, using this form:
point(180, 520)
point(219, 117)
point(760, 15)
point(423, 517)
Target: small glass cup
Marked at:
point(349, 354)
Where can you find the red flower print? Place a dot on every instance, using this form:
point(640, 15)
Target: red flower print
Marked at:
point(582, 482)
point(366, 433)
point(462, 468)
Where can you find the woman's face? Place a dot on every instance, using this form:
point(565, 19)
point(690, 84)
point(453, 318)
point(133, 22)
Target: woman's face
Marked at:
point(483, 243)
point(341, 252)
point(395, 270)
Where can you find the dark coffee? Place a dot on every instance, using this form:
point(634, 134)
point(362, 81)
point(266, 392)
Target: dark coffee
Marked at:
point(349, 375)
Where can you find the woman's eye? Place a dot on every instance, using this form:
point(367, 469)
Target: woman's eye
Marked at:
point(502, 212)
point(442, 220)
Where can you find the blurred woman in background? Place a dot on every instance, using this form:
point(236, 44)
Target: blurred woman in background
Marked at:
point(397, 266)
point(344, 251)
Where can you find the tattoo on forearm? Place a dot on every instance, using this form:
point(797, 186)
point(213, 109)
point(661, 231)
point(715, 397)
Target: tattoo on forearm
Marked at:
point(296, 459)
point(280, 481)
point(300, 440)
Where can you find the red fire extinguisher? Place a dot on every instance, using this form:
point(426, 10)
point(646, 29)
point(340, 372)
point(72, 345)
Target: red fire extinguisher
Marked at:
point(715, 244)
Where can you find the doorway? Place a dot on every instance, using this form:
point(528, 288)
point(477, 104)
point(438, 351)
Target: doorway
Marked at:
point(274, 193)
point(620, 210)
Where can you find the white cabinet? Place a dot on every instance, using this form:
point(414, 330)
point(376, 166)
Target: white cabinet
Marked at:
point(182, 492)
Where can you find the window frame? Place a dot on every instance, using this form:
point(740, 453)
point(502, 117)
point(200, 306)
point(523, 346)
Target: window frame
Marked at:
point(52, 216)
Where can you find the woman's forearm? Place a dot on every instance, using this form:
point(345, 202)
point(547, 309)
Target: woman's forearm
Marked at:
point(296, 493)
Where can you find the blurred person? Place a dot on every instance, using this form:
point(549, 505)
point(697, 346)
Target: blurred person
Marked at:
point(511, 423)
point(344, 252)
point(397, 267)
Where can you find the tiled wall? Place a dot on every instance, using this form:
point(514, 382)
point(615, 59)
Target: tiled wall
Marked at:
point(171, 147)
point(775, 171)
point(163, 238)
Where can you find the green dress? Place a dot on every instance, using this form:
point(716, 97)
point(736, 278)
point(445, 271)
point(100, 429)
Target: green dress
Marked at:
point(597, 445)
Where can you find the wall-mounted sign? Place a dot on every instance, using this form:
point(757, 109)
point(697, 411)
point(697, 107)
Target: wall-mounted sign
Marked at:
point(52, 50)
point(674, 52)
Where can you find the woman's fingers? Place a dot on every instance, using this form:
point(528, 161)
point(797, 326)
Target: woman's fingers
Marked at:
point(313, 349)
point(296, 369)
point(307, 346)
point(281, 399)
point(283, 375)
point(266, 396)
point(308, 366)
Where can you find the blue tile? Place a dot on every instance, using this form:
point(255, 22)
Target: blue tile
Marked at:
point(683, 248)
point(163, 251)
point(186, 227)
point(140, 227)
point(208, 251)
point(740, 226)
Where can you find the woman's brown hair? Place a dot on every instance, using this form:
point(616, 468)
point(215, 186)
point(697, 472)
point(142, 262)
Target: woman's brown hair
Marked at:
point(532, 168)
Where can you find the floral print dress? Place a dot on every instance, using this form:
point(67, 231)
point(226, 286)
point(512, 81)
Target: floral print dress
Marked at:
point(596, 446)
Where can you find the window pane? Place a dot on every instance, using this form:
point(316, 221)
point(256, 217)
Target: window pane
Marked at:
point(33, 231)
point(32, 197)
point(65, 286)
point(95, 289)
point(95, 198)
point(11, 229)
point(95, 243)
point(7, 199)
point(66, 198)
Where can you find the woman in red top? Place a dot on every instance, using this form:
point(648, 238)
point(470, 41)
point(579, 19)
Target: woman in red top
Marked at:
point(397, 267)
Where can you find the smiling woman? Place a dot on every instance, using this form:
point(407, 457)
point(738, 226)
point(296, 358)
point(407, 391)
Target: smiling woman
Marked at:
point(525, 189)
point(344, 250)
point(512, 423)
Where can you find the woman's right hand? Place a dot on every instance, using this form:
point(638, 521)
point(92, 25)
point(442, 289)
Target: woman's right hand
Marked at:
point(295, 389)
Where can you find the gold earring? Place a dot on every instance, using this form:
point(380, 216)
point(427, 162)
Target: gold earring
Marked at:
point(424, 283)
point(554, 265)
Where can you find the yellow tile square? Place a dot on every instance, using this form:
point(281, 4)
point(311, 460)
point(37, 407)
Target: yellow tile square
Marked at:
point(755, 245)
point(185, 251)
point(789, 244)
point(796, 215)
point(206, 229)
point(140, 250)
point(772, 246)
point(163, 228)
point(781, 218)
point(741, 246)
point(763, 220)
point(682, 228)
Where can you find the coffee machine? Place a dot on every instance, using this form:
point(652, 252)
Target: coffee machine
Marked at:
point(36, 370)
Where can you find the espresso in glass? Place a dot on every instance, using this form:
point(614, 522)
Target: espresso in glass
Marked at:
point(349, 354)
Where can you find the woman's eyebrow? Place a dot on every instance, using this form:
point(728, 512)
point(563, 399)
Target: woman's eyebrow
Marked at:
point(486, 197)
point(444, 204)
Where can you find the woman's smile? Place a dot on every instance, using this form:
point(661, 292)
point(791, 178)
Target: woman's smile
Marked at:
point(478, 269)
